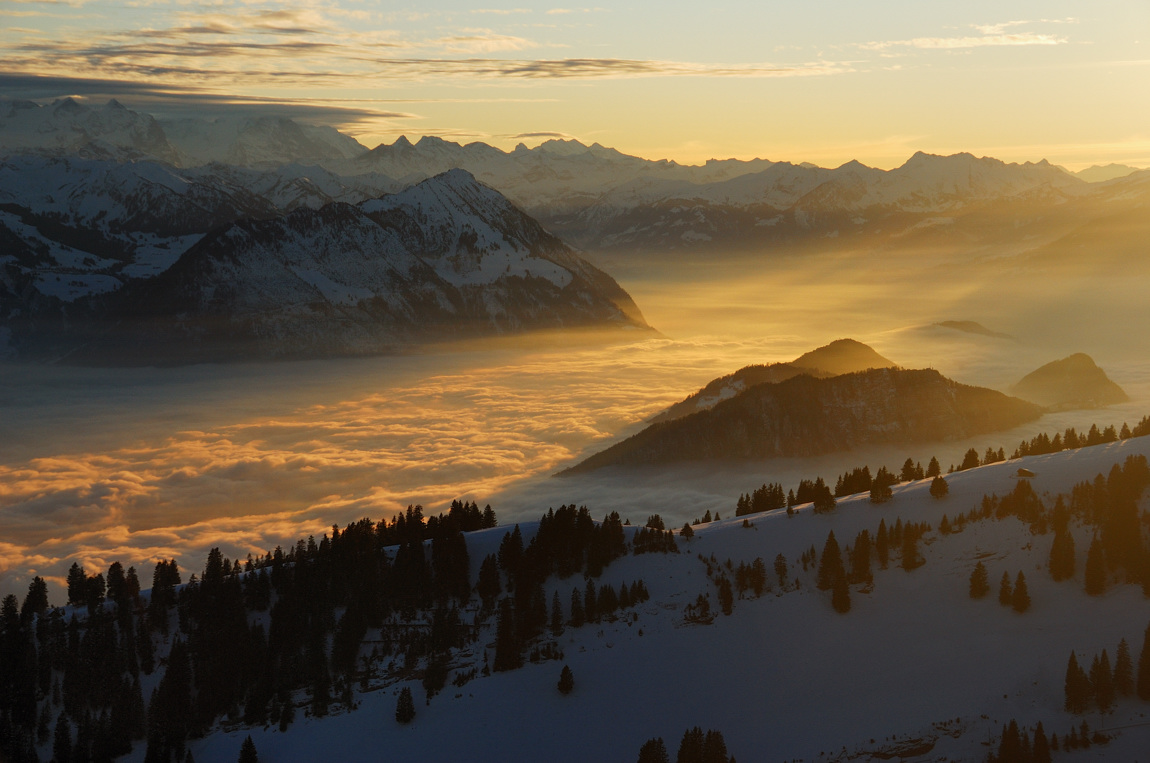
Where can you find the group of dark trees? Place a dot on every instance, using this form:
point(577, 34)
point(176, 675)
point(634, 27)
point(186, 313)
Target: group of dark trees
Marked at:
point(1070, 439)
point(1104, 685)
point(1016, 595)
point(750, 579)
point(833, 574)
point(243, 641)
point(1015, 745)
point(765, 498)
point(695, 747)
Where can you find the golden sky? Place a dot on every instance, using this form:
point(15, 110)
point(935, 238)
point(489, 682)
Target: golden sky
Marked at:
point(815, 81)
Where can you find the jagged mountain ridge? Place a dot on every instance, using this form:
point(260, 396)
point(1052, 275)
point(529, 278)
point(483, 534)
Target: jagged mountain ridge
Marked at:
point(804, 416)
point(359, 279)
point(839, 357)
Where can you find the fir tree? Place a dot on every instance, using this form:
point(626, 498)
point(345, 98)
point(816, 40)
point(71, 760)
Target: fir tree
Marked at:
point(1143, 686)
point(576, 609)
point(939, 487)
point(1102, 682)
point(1095, 572)
point(1076, 687)
point(248, 752)
point(566, 681)
point(781, 569)
point(933, 469)
point(654, 751)
point(1021, 597)
point(1123, 670)
point(979, 584)
point(831, 564)
point(911, 559)
point(62, 743)
point(1040, 751)
point(405, 706)
point(1005, 592)
point(882, 544)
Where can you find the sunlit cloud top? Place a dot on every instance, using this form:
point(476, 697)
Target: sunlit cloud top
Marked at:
point(673, 80)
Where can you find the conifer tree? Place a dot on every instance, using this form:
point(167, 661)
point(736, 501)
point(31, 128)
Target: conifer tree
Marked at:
point(1040, 752)
point(1102, 682)
point(933, 469)
point(576, 609)
point(1095, 572)
point(654, 751)
point(248, 752)
point(405, 707)
point(566, 681)
point(1005, 592)
point(939, 487)
point(62, 742)
point(1076, 687)
point(508, 650)
point(831, 564)
point(1021, 597)
point(979, 584)
point(882, 544)
point(1123, 670)
point(911, 559)
point(781, 569)
point(1143, 686)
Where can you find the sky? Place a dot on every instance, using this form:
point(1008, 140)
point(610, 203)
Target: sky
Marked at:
point(816, 81)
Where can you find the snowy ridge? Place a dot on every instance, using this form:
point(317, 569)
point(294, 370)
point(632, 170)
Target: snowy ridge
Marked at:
point(783, 676)
point(448, 258)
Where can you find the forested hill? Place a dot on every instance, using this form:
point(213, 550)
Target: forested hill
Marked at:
point(804, 416)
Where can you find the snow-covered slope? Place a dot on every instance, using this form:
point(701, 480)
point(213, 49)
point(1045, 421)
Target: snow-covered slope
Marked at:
point(257, 142)
point(447, 258)
point(916, 670)
point(69, 127)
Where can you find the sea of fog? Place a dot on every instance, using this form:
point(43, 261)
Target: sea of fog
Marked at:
point(137, 464)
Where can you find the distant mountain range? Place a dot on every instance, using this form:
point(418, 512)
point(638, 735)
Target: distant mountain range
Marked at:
point(446, 258)
point(807, 416)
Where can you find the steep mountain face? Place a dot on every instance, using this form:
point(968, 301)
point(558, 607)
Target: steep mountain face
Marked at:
point(69, 127)
point(842, 356)
point(804, 416)
point(444, 259)
point(112, 131)
point(1072, 382)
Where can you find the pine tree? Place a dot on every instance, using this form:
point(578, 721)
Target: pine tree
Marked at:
point(508, 650)
point(1095, 573)
point(1143, 686)
point(979, 584)
point(62, 743)
point(938, 487)
point(911, 560)
point(882, 544)
point(566, 681)
point(781, 569)
point(405, 707)
point(1005, 592)
point(248, 751)
point(1021, 598)
point(1102, 682)
point(1076, 687)
point(576, 609)
point(933, 469)
point(1123, 670)
point(1040, 752)
point(654, 751)
point(831, 565)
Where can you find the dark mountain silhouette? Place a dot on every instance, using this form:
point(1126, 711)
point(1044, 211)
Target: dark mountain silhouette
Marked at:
point(1073, 382)
point(805, 416)
point(841, 356)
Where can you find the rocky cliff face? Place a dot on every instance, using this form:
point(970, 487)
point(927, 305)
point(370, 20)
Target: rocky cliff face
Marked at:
point(805, 416)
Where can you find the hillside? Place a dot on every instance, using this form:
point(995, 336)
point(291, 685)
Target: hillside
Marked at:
point(783, 675)
point(804, 416)
point(1072, 382)
point(841, 356)
point(448, 258)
